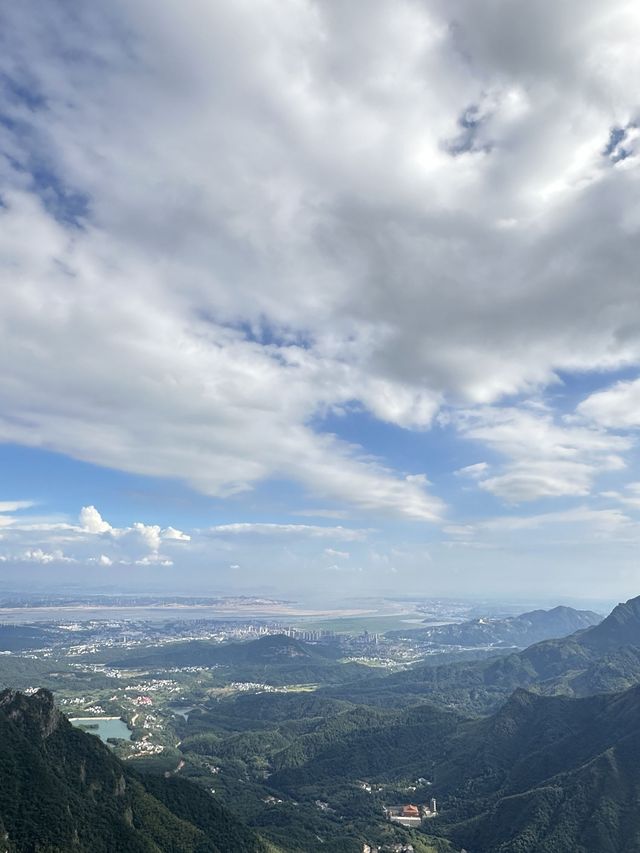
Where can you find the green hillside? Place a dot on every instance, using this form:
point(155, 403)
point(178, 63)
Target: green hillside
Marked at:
point(274, 659)
point(62, 790)
point(544, 773)
point(551, 774)
point(605, 657)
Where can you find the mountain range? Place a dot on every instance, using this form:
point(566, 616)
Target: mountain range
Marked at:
point(555, 768)
point(544, 773)
point(531, 751)
point(604, 657)
point(510, 631)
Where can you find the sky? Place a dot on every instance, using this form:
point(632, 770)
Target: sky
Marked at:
point(306, 297)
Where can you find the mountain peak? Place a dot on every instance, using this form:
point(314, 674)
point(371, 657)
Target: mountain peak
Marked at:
point(620, 628)
point(72, 793)
point(35, 713)
point(514, 714)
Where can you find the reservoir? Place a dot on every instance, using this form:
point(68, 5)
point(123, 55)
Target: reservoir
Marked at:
point(103, 727)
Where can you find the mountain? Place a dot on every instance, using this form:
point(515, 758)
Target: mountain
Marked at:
point(270, 649)
point(544, 773)
point(620, 628)
point(273, 659)
point(273, 649)
point(393, 746)
point(605, 657)
point(519, 631)
point(62, 790)
point(547, 773)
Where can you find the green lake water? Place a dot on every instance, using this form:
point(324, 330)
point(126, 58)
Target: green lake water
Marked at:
point(103, 727)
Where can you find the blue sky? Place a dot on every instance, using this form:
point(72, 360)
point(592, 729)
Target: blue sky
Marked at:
point(301, 296)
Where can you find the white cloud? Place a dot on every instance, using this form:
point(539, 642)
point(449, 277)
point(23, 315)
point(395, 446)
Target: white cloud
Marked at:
point(544, 458)
point(173, 533)
point(14, 506)
point(35, 540)
point(337, 555)
point(630, 497)
point(346, 534)
point(617, 407)
point(474, 472)
point(533, 479)
point(601, 518)
point(196, 400)
point(400, 204)
point(92, 521)
point(37, 555)
point(153, 560)
point(601, 522)
point(150, 535)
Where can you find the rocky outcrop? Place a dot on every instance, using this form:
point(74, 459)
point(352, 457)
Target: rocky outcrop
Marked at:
point(35, 714)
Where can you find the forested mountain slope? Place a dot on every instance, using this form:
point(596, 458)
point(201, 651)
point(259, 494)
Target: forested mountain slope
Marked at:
point(547, 773)
point(605, 657)
point(544, 773)
point(62, 790)
point(276, 659)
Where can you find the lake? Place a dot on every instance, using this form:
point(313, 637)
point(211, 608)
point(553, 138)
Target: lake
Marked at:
point(103, 727)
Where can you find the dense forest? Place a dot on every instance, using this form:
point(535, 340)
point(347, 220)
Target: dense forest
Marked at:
point(62, 790)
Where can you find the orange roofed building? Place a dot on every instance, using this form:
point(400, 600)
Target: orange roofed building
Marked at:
point(408, 815)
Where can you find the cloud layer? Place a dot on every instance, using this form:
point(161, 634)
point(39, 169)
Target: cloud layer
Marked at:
point(29, 539)
point(222, 225)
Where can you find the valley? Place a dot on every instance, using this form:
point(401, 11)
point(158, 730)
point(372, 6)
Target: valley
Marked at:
point(320, 740)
